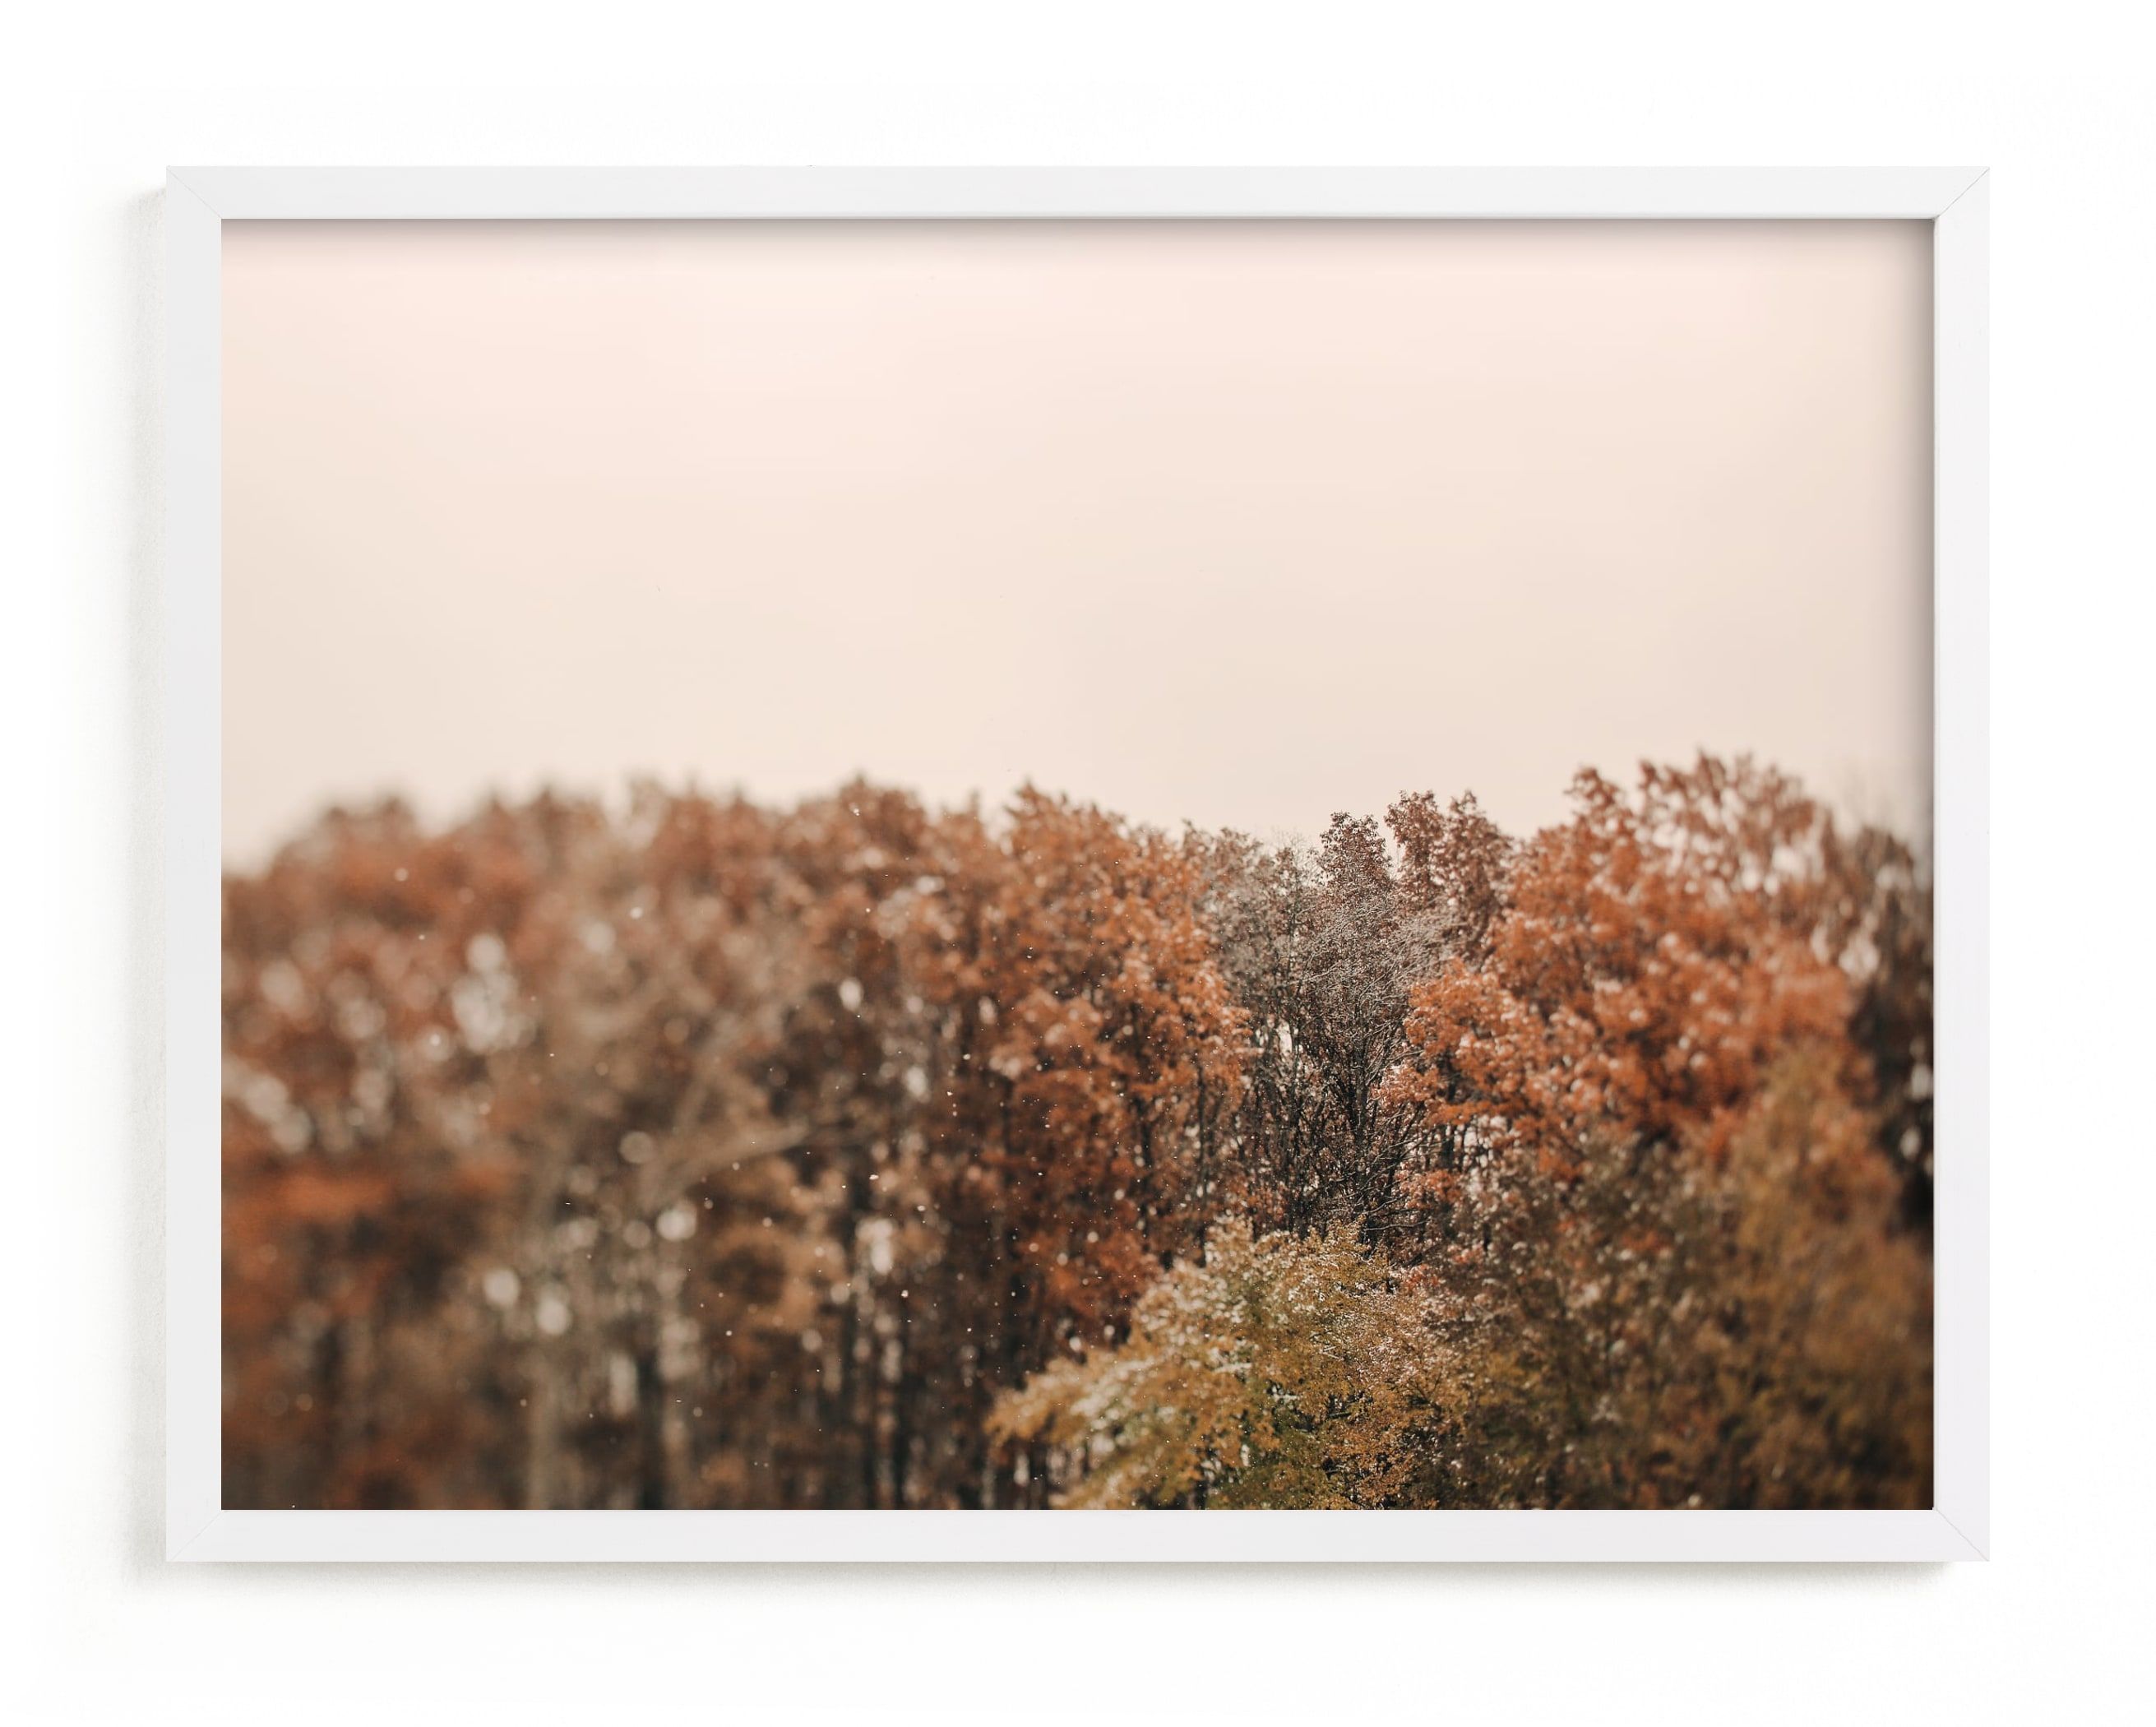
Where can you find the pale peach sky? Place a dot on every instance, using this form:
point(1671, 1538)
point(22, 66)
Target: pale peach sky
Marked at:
point(1242, 523)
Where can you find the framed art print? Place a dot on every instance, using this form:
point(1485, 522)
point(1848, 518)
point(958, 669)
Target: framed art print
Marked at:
point(1233, 864)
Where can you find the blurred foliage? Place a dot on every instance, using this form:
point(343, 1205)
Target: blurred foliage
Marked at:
point(695, 1154)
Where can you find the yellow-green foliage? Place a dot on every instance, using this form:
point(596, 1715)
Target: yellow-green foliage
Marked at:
point(1276, 1373)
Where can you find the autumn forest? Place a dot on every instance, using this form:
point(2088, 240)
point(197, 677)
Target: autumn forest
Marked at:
point(688, 1152)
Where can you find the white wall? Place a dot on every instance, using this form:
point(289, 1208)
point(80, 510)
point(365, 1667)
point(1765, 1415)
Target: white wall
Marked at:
point(2050, 95)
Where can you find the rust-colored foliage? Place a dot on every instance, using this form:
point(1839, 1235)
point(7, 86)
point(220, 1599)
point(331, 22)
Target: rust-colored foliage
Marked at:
point(709, 1156)
point(859, 1153)
point(1653, 963)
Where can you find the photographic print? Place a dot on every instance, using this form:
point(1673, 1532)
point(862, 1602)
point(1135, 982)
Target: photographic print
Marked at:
point(976, 865)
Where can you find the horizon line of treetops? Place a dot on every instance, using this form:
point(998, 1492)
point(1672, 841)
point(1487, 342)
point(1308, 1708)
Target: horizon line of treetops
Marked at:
point(697, 1153)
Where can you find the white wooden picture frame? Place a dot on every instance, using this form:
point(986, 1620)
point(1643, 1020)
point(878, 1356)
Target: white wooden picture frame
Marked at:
point(199, 201)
